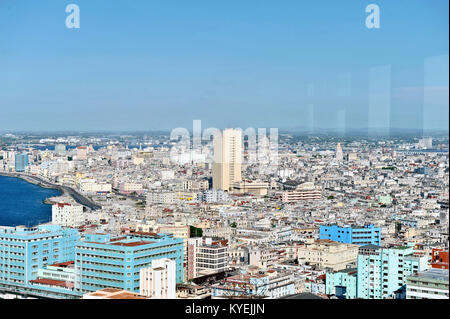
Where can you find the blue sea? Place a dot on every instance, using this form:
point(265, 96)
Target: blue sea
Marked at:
point(21, 202)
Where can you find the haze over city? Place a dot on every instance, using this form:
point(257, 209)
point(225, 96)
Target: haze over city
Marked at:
point(154, 65)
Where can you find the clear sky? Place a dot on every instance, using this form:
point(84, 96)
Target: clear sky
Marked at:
point(159, 64)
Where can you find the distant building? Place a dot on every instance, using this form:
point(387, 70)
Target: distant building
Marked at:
point(339, 153)
point(21, 162)
point(425, 143)
point(305, 191)
point(60, 149)
point(251, 187)
point(213, 196)
point(368, 234)
point(227, 158)
point(439, 259)
point(82, 152)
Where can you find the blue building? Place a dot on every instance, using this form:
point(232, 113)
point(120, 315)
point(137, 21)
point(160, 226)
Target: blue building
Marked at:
point(105, 262)
point(21, 162)
point(23, 251)
point(368, 234)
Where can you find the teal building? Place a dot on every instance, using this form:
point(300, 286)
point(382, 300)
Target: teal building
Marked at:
point(105, 262)
point(23, 251)
point(342, 284)
point(382, 271)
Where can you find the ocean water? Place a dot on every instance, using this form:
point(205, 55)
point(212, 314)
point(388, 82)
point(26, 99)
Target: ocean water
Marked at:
point(21, 202)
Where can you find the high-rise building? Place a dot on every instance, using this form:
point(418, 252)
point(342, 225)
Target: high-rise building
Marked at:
point(339, 153)
point(21, 162)
point(159, 280)
point(227, 158)
point(60, 149)
point(383, 271)
point(425, 143)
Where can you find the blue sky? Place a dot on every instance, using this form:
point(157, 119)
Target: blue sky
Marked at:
point(151, 65)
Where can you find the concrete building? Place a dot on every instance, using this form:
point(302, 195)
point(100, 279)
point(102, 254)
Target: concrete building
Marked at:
point(265, 284)
point(21, 162)
point(23, 251)
point(67, 215)
point(213, 196)
point(342, 283)
point(251, 187)
point(106, 262)
point(305, 191)
point(227, 158)
point(367, 234)
point(206, 256)
point(159, 280)
point(382, 271)
point(429, 284)
point(327, 254)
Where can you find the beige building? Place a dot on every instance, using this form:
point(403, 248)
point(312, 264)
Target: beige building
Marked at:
point(227, 158)
point(305, 191)
point(251, 187)
point(327, 254)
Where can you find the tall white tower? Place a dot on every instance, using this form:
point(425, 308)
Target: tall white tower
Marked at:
point(227, 158)
point(339, 154)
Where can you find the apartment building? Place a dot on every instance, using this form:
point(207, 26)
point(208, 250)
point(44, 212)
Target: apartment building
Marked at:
point(206, 256)
point(23, 251)
point(432, 283)
point(303, 192)
point(227, 163)
point(159, 280)
point(106, 262)
point(67, 215)
point(382, 271)
point(251, 187)
point(342, 283)
point(266, 284)
point(327, 254)
point(367, 234)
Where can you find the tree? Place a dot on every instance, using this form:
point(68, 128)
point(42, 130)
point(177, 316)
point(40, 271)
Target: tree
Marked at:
point(195, 232)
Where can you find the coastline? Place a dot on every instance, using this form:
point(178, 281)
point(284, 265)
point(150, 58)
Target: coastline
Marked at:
point(65, 190)
point(27, 179)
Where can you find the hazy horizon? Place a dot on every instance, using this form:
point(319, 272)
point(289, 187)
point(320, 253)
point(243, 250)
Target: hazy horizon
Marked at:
point(150, 65)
